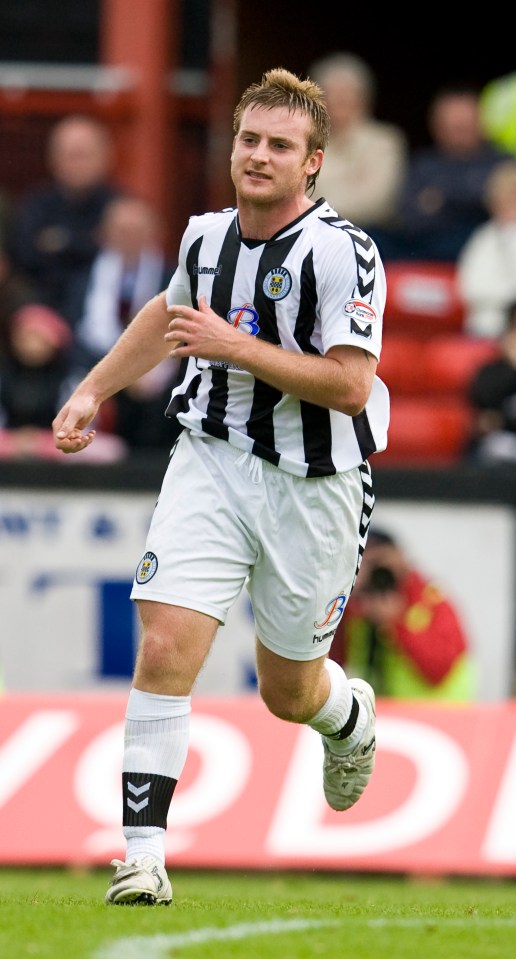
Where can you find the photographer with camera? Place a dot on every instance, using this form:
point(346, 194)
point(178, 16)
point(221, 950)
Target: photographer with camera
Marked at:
point(400, 633)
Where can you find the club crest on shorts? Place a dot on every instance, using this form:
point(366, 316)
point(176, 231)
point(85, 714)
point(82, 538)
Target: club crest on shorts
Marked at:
point(277, 284)
point(146, 568)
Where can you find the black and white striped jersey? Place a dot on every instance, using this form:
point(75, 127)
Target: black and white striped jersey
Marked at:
point(318, 283)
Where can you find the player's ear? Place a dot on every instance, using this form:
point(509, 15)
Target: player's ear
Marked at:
point(314, 162)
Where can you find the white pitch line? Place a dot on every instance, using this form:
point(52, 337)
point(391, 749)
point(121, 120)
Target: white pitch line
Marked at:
point(158, 947)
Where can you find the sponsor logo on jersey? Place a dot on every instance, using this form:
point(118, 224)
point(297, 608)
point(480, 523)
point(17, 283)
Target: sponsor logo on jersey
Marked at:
point(277, 284)
point(219, 365)
point(206, 270)
point(146, 568)
point(361, 316)
point(245, 318)
point(360, 311)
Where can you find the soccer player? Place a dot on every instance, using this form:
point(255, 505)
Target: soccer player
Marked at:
point(276, 310)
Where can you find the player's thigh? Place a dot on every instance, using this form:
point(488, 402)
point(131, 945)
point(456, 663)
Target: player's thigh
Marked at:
point(173, 646)
point(197, 553)
point(300, 586)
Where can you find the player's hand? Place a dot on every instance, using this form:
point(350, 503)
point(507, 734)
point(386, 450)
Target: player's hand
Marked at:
point(72, 419)
point(201, 333)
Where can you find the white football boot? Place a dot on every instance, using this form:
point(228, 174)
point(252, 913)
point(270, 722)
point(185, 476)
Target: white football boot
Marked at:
point(346, 777)
point(143, 880)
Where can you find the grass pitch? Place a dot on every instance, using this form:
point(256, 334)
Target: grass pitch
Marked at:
point(60, 914)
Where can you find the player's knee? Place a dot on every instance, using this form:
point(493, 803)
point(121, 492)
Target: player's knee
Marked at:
point(285, 704)
point(153, 656)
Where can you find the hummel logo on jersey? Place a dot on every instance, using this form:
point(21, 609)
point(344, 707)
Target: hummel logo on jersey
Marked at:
point(361, 330)
point(206, 270)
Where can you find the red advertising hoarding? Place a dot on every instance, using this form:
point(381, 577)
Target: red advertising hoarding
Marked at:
point(442, 798)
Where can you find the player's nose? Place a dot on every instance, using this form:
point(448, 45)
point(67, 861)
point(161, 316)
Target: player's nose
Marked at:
point(260, 153)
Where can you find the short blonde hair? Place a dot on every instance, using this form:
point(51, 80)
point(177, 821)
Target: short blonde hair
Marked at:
point(281, 88)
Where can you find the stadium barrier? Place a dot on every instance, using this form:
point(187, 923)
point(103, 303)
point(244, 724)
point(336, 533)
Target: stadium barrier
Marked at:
point(71, 537)
point(441, 800)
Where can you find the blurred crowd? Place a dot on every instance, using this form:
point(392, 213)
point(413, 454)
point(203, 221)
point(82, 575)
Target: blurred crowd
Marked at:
point(79, 256)
point(445, 211)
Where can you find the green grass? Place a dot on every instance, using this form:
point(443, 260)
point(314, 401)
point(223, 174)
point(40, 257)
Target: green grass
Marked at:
point(60, 914)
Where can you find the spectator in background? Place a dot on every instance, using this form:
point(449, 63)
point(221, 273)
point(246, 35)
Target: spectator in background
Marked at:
point(442, 200)
point(486, 267)
point(32, 375)
point(54, 232)
point(364, 163)
point(400, 632)
point(15, 291)
point(130, 268)
point(493, 396)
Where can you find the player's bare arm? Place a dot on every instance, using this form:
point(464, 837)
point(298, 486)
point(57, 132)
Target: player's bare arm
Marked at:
point(140, 348)
point(341, 380)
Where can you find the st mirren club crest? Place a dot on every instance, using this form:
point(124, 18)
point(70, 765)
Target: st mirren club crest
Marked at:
point(277, 284)
point(146, 568)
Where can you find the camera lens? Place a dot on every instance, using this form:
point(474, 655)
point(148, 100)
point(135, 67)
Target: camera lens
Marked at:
point(381, 580)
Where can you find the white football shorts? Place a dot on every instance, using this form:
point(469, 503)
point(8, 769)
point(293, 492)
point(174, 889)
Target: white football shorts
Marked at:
point(225, 519)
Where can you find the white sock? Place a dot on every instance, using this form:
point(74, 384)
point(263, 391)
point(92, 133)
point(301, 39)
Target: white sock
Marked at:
point(333, 716)
point(156, 741)
point(153, 845)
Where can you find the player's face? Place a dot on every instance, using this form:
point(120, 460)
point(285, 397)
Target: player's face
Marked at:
point(270, 161)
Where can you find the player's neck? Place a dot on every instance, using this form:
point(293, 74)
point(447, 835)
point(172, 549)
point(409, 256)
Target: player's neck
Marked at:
point(263, 222)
